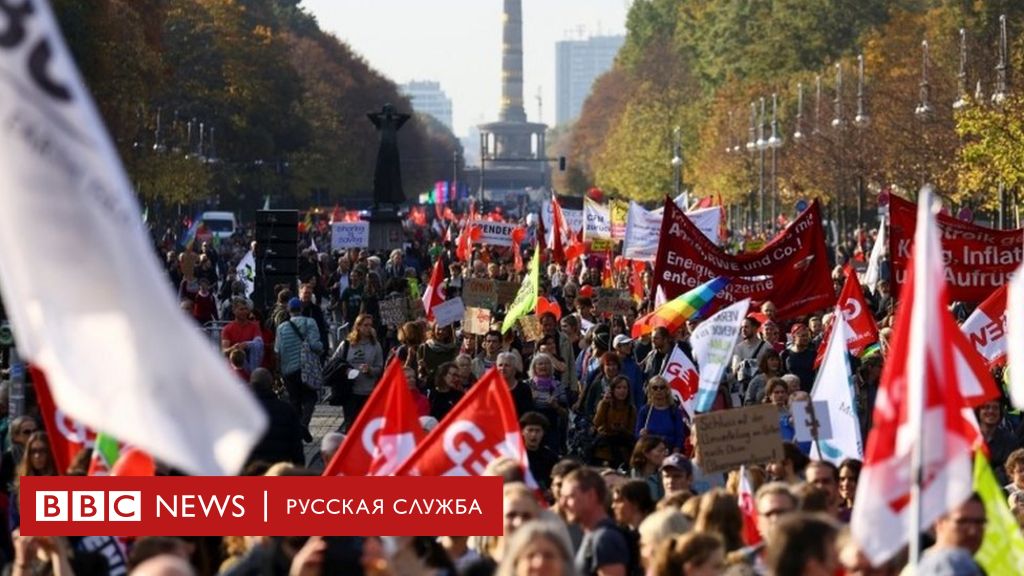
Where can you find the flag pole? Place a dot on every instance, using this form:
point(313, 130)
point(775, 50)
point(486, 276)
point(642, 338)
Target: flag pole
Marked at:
point(917, 358)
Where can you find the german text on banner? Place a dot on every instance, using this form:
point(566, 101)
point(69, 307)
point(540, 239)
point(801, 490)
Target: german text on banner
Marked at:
point(978, 259)
point(494, 233)
point(713, 342)
point(260, 506)
point(792, 271)
point(88, 300)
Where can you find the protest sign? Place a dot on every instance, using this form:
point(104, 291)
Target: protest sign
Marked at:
point(727, 439)
point(394, 311)
point(573, 218)
point(802, 420)
point(476, 321)
point(350, 235)
point(494, 233)
point(597, 222)
point(792, 271)
point(978, 259)
point(449, 312)
point(530, 325)
point(612, 301)
point(479, 293)
point(712, 343)
point(505, 292)
point(643, 229)
point(617, 211)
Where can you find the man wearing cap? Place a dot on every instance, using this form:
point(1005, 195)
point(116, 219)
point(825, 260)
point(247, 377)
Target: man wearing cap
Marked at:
point(623, 346)
point(288, 347)
point(676, 474)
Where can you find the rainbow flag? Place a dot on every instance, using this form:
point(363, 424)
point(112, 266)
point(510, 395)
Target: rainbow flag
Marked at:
point(674, 313)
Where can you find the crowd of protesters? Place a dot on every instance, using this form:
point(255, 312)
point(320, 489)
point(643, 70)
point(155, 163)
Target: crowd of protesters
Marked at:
point(608, 443)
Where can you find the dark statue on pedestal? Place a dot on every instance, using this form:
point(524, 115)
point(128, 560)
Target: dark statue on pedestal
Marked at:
point(387, 177)
point(385, 225)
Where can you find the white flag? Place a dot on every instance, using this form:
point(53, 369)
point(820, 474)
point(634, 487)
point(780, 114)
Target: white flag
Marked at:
point(875, 260)
point(712, 343)
point(1015, 338)
point(89, 303)
point(246, 273)
point(834, 385)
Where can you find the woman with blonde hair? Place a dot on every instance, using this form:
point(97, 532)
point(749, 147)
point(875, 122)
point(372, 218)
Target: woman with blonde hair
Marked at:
point(36, 460)
point(538, 548)
point(658, 527)
point(519, 506)
point(363, 354)
point(694, 554)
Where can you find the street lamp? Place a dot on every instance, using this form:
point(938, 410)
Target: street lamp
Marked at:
point(677, 161)
point(762, 146)
point(961, 77)
point(838, 121)
point(798, 134)
point(817, 104)
point(1001, 68)
point(924, 108)
point(861, 120)
point(775, 142)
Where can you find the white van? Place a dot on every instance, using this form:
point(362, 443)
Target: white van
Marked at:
point(219, 224)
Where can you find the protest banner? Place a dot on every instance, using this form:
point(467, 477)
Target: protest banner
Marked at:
point(727, 439)
point(494, 233)
point(612, 301)
point(476, 321)
point(978, 259)
point(349, 235)
point(792, 271)
point(394, 311)
point(449, 312)
point(643, 229)
point(985, 328)
point(617, 211)
point(597, 222)
point(479, 293)
point(683, 379)
point(712, 343)
point(573, 218)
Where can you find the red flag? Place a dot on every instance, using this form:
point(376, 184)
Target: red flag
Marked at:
point(855, 309)
point(576, 247)
point(464, 243)
point(751, 535)
point(67, 437)
point(385, 433)
point(482, 427)
point(433, 295)
point(636, 281)
point(558, 228)
point(918, 410)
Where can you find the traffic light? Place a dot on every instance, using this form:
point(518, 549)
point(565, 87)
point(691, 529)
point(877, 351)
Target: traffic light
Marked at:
point(561, 163)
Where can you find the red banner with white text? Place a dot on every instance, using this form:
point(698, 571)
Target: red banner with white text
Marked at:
point(978, 260)
point(792, 270)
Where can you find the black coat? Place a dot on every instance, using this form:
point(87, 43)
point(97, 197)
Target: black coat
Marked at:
point(282, 441)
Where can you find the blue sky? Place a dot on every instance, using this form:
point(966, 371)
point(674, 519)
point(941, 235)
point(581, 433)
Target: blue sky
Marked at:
point(458, 43)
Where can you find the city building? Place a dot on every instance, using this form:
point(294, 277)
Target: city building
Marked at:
point(428, 98)
point(577, 64)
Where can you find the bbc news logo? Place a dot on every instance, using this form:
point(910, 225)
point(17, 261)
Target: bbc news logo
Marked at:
point(88, 506)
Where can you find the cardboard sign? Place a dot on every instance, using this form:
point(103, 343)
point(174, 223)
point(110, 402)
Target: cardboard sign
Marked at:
point(476, 321)
point(505, 292)
point(802, 420)
point(728, 439)
point(612, 301)
point(449, 312)
point(479, 293)
point(530, 325)
point(394, 311)
point(350, 235)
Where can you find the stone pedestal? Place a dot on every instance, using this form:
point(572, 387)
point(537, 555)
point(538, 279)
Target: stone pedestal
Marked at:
point(386, 231)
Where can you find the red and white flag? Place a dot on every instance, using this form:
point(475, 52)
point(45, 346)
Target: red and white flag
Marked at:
point(745, 499)
point(986, 328)
point(918, 409)
point(67, 437)
point(559, 231)
point(433, 295)
point(683, 379)
point(862, 330)
point(385, 433)
point(481, 428)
